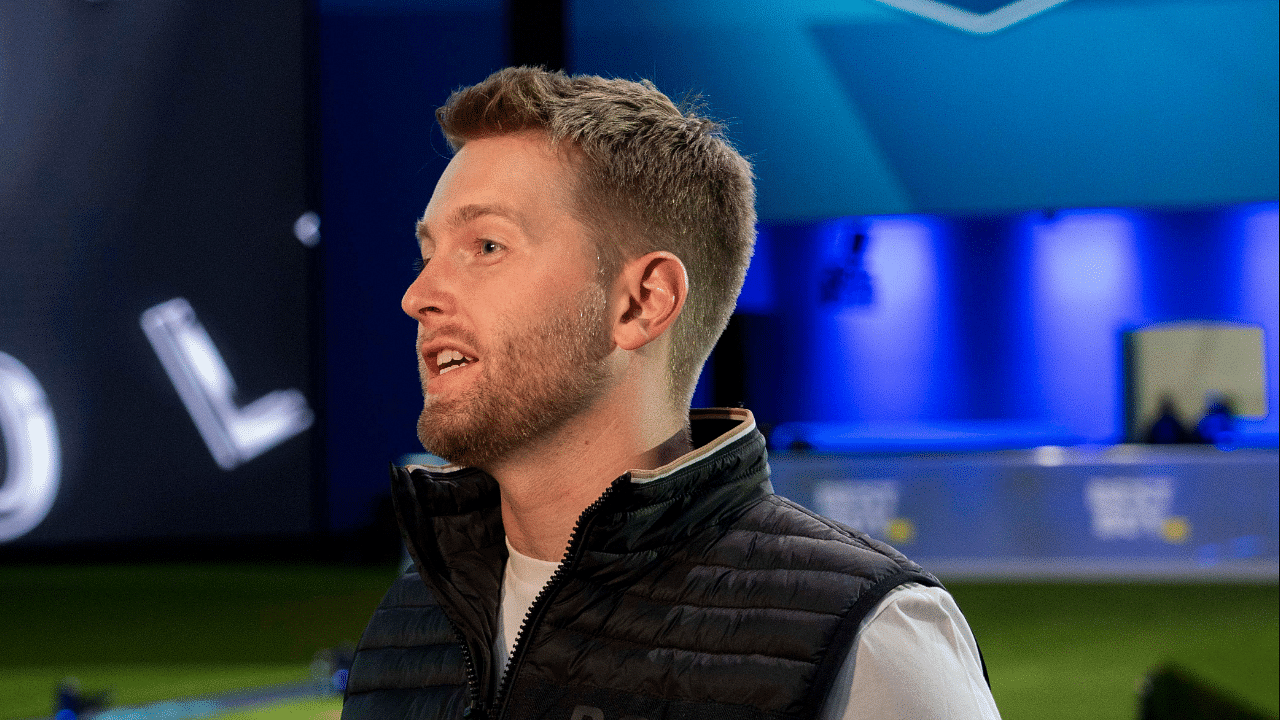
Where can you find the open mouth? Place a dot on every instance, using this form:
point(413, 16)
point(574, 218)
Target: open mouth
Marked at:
point(448, 360)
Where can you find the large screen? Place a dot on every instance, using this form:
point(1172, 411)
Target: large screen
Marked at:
point(876, 107)
point(155, 283)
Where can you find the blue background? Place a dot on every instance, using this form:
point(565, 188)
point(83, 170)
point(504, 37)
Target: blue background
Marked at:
point(853, 107)
point(1027, 196)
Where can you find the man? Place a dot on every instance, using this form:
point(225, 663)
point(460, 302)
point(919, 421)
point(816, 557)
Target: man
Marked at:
point(596, 550)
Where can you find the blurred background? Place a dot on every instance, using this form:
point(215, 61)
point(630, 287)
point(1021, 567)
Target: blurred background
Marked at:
point(1013, 308)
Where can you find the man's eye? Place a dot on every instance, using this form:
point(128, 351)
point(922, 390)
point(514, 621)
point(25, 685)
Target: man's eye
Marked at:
point(489, 247)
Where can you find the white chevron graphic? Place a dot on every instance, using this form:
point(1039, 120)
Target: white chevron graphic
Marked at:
point(976, 23)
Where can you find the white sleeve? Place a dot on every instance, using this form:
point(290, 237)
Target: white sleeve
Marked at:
point(915, 658)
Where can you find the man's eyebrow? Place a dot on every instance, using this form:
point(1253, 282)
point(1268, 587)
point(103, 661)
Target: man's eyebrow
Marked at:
point(423, 232)
point(466, 214)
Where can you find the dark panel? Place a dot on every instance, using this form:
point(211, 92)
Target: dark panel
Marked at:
point(383, 76)
point(154, 150)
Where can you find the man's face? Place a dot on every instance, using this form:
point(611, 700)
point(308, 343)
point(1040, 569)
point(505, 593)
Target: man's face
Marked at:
point(512, 327)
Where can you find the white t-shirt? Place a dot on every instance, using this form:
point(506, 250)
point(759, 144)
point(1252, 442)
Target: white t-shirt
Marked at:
point(914, 654)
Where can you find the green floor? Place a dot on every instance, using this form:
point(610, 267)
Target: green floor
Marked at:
point(1055, 651)
point(1081, 651)
point(304, 710)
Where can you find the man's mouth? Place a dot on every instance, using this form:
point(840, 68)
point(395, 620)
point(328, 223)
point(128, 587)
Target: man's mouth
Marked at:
point(449, 359)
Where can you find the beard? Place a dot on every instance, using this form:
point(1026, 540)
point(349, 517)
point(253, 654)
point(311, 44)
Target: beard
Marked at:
point(532, 382)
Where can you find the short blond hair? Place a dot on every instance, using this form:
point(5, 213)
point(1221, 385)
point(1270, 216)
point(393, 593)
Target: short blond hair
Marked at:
point(653, 176)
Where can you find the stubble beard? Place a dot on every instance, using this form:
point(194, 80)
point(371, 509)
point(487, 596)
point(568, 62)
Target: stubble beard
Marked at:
point(534, 382)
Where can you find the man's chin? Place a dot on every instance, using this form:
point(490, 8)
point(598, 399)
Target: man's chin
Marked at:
point(445, 437)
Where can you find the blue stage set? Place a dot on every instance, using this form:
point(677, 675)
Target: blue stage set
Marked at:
point(966, 232)
point(965, 390)
point(999, 245)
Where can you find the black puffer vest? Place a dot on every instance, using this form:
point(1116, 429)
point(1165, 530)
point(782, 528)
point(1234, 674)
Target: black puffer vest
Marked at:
point(697, 595)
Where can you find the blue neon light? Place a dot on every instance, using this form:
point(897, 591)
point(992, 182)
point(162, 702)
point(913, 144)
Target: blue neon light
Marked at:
point(1008, 322)
point(886, 353)
point(1084, 292)
point(1259, 228)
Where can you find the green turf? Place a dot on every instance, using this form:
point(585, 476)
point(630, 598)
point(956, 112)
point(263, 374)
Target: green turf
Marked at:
point(1071, 651)
point(28, 691)
point(1056, 651)
point(305, 710)
point(156, 632)
point(183, 614)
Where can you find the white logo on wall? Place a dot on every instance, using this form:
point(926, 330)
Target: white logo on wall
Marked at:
point(977, 23)
point(234, 435)
point(1131, 508)
point(33, 457)
point(866, 505)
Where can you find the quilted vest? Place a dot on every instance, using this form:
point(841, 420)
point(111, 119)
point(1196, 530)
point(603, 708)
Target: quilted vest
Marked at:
point(698, 595)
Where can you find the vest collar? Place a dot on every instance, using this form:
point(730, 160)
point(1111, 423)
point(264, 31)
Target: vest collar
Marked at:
point(718, 427)
point(450, 512)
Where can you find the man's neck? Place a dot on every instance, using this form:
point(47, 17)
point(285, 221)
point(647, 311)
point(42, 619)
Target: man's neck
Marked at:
point(547, 486)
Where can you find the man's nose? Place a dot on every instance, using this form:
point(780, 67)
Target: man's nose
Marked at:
point(431, 292)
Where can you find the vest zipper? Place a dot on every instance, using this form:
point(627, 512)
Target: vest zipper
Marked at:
point(476, 709)
point(543, 599)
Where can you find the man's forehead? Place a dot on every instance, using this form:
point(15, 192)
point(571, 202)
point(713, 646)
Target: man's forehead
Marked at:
point(460, 216)
point(521, 178)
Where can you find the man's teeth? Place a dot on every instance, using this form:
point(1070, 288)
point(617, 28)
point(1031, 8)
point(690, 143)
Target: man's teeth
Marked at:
point(448, 360)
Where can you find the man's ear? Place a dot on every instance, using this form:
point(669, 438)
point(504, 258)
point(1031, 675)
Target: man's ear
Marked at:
point(649, 295)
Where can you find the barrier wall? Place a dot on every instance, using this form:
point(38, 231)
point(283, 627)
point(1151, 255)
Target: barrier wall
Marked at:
point(1121, 511)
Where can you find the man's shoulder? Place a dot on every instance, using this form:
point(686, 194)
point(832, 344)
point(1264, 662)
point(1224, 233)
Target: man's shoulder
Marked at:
point(758, 608)
point(409, 638)
point(776, 535)
point(409, 615)
point(408, 590)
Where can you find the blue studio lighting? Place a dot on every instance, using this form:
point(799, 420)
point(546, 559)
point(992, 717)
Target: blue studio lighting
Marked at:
point(1259, 228)
point(1002, 330)
point(1084, 291)
point(881, 359)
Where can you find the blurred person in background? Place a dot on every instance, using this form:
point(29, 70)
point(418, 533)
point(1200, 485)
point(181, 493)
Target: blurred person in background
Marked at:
point(595, 549)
